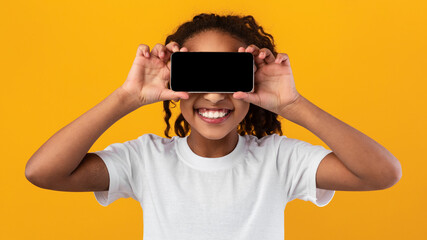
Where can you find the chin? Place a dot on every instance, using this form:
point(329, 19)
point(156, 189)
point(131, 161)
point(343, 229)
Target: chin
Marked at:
point(213, 134)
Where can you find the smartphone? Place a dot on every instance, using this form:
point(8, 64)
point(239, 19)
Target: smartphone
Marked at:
point(222, 72)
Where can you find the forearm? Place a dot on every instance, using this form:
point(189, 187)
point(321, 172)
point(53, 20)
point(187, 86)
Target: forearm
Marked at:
point(360, 154)
point(64, 151)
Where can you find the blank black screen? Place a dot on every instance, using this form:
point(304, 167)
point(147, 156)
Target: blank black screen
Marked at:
point(212, 71)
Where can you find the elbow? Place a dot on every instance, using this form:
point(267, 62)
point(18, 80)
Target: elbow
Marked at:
point(390, 176)
point(30, 173)
point(42, 178)
point(35, 178)
point(31, 176)
point(396, 174)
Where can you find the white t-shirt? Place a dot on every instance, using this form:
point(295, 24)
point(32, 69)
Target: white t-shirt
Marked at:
point(241, 196)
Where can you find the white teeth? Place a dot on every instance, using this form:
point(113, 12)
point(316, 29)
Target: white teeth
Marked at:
point(213, 114)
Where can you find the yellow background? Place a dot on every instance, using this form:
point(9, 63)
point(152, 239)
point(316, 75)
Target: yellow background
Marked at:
point(362, 61)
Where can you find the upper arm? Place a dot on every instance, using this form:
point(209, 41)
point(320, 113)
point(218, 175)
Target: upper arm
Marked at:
point(332, 174)
point(91, 175)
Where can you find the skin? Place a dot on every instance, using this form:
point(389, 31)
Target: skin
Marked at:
point(206, 139)
point(357, 163)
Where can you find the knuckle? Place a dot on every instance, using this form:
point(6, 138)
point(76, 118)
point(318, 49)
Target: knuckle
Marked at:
point(172, 46)
point(159, 45)
point(142, 46)
point(173, 43)
point(267, 51)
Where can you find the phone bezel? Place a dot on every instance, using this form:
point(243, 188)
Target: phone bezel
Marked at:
point(253, 73)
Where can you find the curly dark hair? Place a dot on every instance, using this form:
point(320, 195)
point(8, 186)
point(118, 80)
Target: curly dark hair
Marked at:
point(258, 121)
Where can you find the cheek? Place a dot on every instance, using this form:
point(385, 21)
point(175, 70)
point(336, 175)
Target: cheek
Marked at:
point(186, 108)
point(187, 105)
point(244, 109)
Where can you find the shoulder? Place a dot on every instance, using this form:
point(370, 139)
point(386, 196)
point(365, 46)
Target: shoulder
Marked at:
point(155, 141)
point(269, 141)
point(266, 139)
point(283, 141)
point(151, 137)
point(275, 141)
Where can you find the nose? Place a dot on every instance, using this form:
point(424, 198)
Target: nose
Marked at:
point(214, 97)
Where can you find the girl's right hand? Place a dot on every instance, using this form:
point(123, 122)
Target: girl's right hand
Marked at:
point(149, 76)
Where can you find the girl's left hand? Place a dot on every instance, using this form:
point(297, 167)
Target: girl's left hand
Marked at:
point(274, 82)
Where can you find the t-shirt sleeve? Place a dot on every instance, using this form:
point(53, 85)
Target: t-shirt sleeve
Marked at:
point(297, 165)
point(124, 166)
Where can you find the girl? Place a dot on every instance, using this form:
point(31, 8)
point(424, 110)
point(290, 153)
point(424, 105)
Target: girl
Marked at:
point(227, 179)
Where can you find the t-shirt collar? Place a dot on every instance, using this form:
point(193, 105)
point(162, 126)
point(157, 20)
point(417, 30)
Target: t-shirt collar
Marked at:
point(210, 164)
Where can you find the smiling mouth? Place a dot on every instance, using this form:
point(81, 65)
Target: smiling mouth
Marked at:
point(213, 113)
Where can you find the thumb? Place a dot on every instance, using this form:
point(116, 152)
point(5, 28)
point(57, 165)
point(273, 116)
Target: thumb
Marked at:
point(172, 95)
point(247, 97)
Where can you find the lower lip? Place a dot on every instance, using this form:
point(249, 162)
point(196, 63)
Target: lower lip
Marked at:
point(214, 120)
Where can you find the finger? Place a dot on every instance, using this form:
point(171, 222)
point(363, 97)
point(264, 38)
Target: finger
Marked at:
point(259, 62)
point(282, 58)
point(143, 50)
point(159, 51)
point(247, 97)
point(171, 48)
point(183, 49)
point(182, 95)
point(243, 49)
point(172, 95)
point(252, 49)
point(266, 55)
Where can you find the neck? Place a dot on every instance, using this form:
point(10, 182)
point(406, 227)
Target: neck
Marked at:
point(212, 148)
